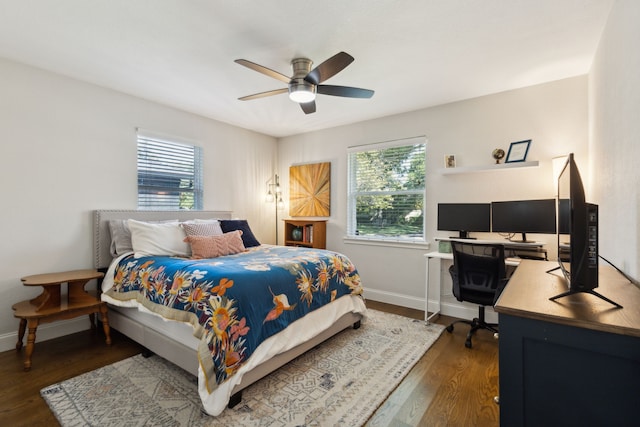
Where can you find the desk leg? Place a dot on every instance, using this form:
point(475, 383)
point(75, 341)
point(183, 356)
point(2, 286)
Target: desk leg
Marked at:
point(436, 312)
point(105, 323)
point(426, 294)
point(428, 317)
point(21, 329)
point(31, 341)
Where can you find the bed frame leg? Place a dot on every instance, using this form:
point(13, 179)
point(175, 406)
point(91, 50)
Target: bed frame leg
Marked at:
point(235, 399)
point(357, 325)
point(146, 353)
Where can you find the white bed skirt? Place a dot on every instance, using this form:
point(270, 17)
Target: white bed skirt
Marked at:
point(175, 341)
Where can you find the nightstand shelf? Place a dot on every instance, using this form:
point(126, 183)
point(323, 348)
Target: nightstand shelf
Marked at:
point(305, 232)
point(50, 307)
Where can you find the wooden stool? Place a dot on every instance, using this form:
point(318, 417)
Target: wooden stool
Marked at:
point(48, 307)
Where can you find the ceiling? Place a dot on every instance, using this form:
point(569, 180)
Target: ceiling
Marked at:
point(414, 54)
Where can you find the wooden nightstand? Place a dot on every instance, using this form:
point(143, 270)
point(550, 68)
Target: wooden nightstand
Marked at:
point(305, 232)
point(48, 307)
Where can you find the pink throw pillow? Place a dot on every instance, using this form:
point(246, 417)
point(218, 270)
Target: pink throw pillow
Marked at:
point(215, 246)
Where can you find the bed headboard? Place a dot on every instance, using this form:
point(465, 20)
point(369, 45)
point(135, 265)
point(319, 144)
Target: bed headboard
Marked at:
point(102, 236)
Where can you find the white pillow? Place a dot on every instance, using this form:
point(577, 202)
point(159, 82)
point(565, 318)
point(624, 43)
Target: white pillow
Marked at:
point(121, 236)
point(166, 239)
point(201, 227)
point(202, 221)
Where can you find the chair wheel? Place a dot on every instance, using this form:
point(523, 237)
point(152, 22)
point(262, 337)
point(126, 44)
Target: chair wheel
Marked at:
point(467, 343)
point(450, 328)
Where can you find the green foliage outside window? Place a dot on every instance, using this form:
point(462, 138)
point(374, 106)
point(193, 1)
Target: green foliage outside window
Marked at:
point(387, 192)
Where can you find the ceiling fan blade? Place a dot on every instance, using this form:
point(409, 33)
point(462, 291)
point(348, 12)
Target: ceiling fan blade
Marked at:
point(329, 68)
point(345, 91)
point(264, 70)
point(308, 107)
point(264, 94)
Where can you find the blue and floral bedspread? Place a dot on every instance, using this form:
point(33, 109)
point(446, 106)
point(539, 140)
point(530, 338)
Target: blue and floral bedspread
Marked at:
point(237, 301)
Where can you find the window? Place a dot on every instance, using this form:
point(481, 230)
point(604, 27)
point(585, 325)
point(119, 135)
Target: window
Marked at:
point(169, 174)
point(386, 195)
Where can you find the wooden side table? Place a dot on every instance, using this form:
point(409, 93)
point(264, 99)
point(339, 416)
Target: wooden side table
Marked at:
point(48, 306)
point(311, 233)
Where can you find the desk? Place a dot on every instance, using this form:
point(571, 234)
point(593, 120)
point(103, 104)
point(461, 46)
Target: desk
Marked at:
point(523, 250)
point(574, 361)
point(444, 256)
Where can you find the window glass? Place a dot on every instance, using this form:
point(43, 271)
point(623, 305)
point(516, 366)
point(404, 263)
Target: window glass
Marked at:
point(169, 174)
point(387, 190)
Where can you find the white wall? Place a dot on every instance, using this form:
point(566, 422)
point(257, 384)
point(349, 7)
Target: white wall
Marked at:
point(553, 115)
point(69, 148)
point(614, 100)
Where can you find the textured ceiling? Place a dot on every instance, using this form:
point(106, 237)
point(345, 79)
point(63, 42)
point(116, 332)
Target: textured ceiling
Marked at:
point(414, 54)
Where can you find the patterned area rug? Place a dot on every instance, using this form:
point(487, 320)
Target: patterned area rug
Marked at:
point(340, 382)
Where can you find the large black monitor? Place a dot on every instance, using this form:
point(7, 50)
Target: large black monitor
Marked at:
point(524, 216)
point(577, 234)
point(464, 218)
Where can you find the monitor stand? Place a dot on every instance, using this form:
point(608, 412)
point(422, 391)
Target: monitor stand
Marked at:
point(463, 235)
point(524, 239)
point(592, 292)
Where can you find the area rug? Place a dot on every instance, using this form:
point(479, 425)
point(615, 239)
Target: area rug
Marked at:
point(338, 383)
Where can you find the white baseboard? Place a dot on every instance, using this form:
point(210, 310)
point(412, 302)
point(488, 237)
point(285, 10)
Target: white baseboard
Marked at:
point(46, 332)
point(465, 312)
point(454, 309)
point(394, 298)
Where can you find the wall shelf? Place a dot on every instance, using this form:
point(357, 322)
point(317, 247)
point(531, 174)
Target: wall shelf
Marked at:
point(488, 168)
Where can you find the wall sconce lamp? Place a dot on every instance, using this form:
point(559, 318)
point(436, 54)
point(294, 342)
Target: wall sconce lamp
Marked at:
point(274, 195)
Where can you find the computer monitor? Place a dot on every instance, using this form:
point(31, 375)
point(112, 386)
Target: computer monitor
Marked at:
point(524, 216)
point(577, 234)
point(464, 218)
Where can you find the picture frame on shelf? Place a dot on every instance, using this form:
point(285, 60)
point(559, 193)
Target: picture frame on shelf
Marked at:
point(449, 161)
point(518, 151)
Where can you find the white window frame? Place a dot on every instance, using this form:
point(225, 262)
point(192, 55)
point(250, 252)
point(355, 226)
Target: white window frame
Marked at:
point(169, 157)
point(352, 195)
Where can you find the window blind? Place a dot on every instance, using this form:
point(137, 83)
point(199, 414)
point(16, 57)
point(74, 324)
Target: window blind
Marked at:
point(386, 190)
point(169, 174)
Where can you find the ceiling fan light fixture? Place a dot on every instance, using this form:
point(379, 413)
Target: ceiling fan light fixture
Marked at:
point(306, 83)
point(302, 91)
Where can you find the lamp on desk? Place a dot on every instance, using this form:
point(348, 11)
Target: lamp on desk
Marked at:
point(274, 195)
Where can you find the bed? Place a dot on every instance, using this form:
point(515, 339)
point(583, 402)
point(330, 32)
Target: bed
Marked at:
point(230, 354)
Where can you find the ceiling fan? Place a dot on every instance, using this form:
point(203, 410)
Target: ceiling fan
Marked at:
point(305, 82)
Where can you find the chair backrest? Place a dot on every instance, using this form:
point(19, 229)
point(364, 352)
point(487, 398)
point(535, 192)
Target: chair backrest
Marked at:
point(478, 271)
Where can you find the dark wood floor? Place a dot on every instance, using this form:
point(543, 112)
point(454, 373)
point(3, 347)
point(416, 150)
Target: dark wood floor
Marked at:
point(450, 386)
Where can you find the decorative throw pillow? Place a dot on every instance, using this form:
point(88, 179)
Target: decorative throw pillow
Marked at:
point(163, 239)
point(248, 238)
point(215, 246)
point(120, 237)
point(202, 228)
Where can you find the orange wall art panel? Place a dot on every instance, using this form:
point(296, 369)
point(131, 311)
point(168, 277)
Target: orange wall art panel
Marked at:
point(310, 190)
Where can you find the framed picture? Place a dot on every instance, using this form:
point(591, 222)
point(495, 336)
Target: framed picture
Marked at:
point(310, 190)
point(449, 161)
point(518, 151)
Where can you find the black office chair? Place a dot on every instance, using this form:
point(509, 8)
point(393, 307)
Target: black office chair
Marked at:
point(479, 276)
